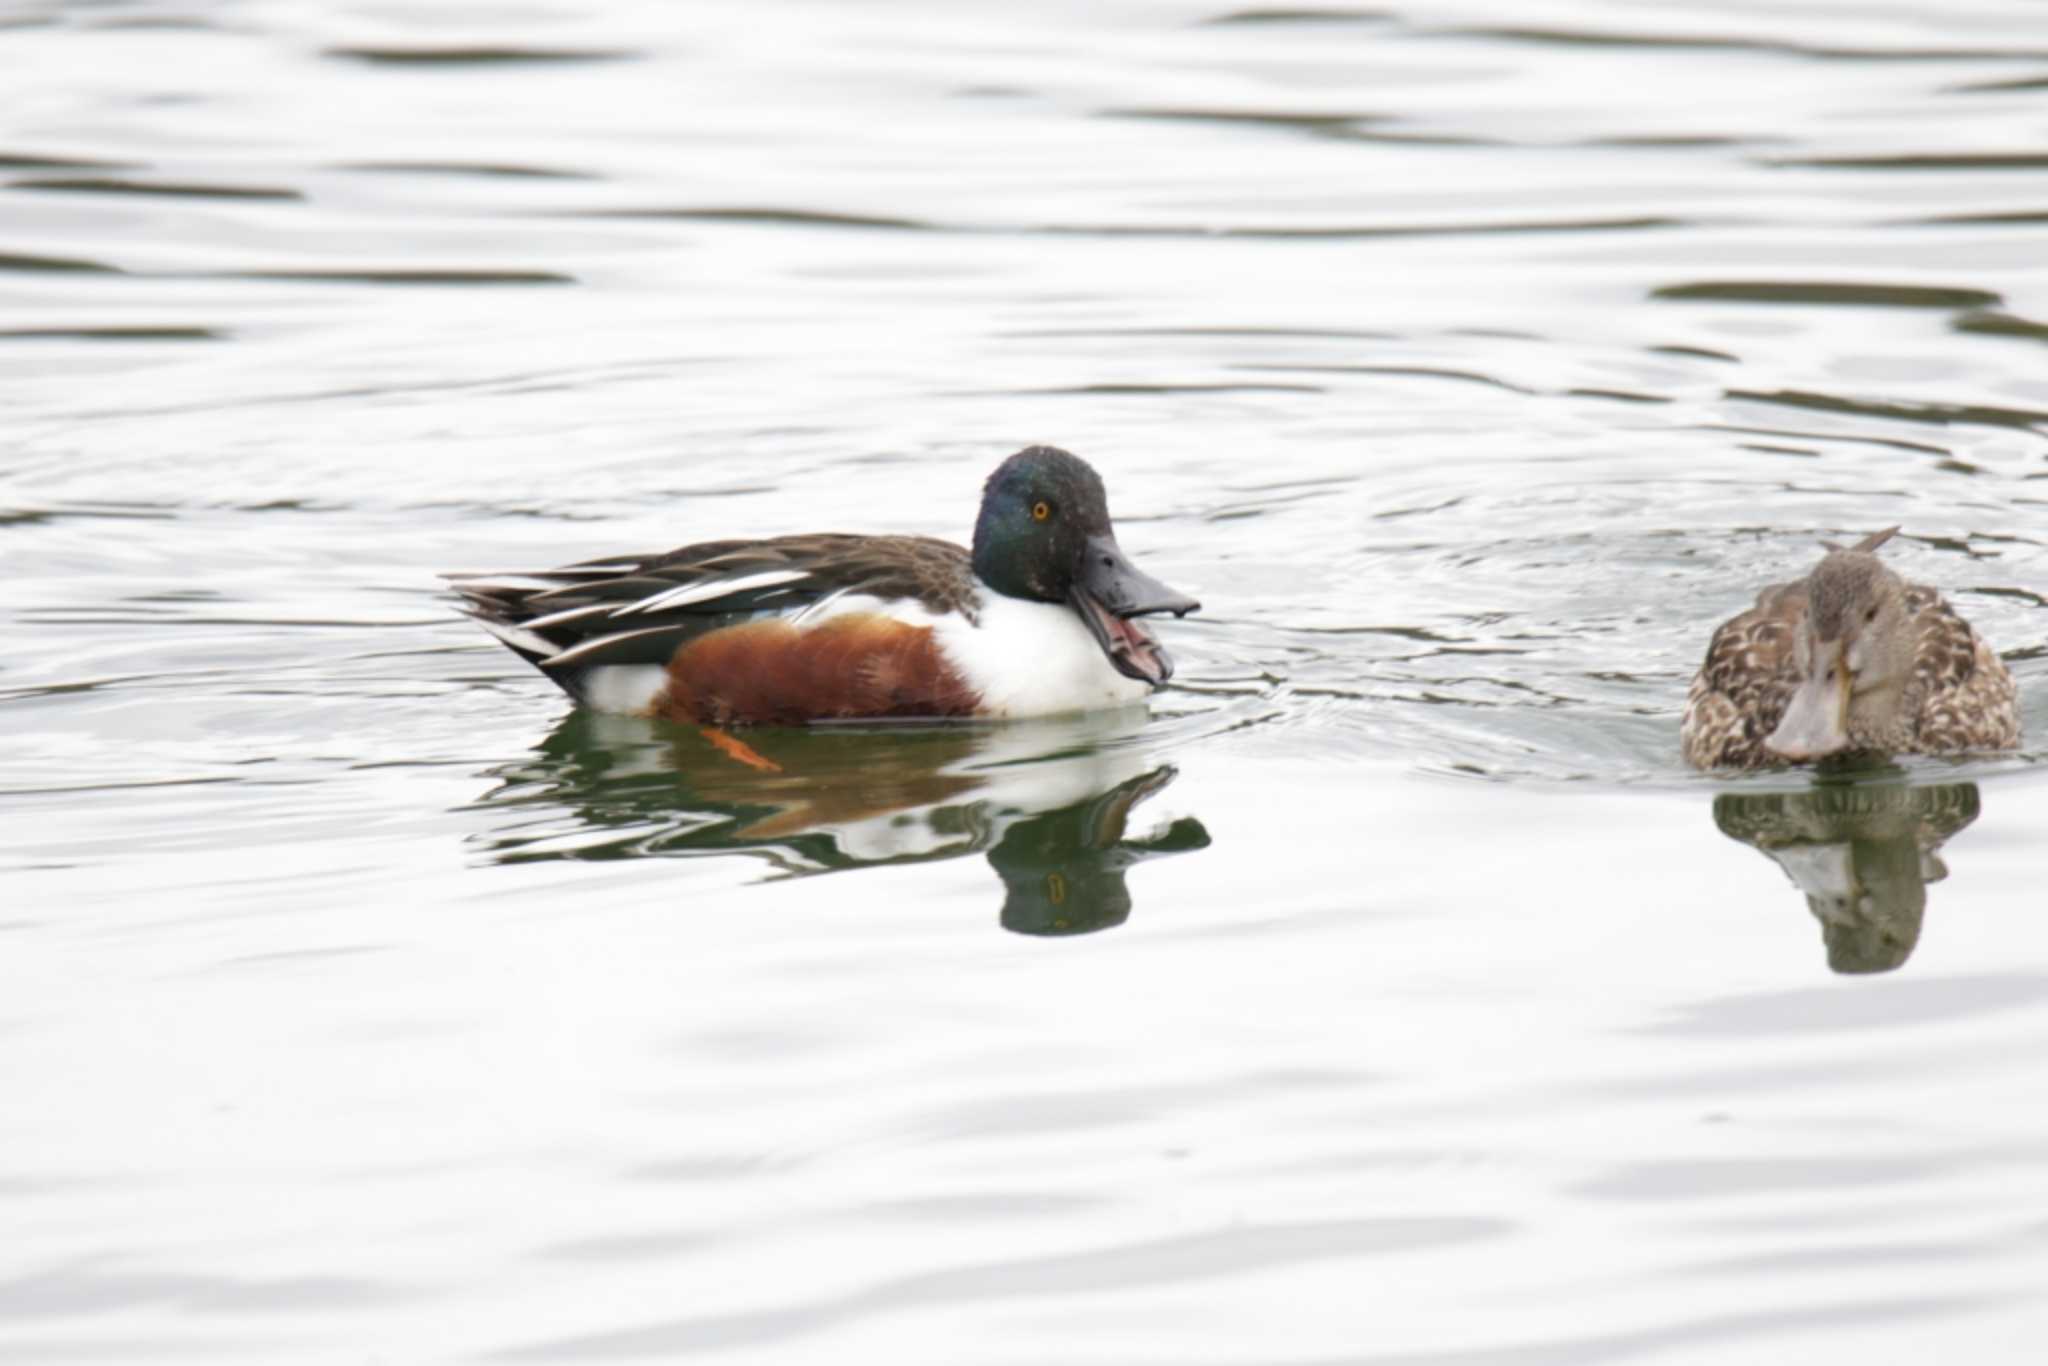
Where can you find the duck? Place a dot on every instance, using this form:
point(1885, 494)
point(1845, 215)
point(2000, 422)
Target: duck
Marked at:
point(1850, 659)
point(1039, 616)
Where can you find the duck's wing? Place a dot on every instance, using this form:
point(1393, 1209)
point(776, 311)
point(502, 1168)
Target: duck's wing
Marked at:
point(1967, 697)
point(1748, 676)
point(639, 609)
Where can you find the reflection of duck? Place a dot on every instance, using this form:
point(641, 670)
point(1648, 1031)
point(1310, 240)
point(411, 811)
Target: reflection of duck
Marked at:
point(1064, 870)
point(1040, 617)
point(1048, 802)
point(1852, 657)
point(1863, 853)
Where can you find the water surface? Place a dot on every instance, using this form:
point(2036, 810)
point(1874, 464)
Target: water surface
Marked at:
point(1390, 993)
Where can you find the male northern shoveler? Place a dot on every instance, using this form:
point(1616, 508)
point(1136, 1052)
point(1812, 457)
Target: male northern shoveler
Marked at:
point(1039, 618)
point(1849, 658)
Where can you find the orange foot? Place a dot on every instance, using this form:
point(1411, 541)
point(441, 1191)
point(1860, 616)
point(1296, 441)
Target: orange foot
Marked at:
point(735, 748)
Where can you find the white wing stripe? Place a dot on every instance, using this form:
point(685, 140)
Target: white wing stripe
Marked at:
point(711, 590)
point(568, 658)
point(518, 638)
point(506, 583)
point(567, 615)
point(818, 608)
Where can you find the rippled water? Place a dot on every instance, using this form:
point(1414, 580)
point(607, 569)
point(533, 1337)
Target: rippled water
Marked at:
point(1391, 994)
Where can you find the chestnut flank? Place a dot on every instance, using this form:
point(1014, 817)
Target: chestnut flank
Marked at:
point(845, 668)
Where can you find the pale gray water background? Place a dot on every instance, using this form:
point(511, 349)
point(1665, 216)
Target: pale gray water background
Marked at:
point(362, 1004)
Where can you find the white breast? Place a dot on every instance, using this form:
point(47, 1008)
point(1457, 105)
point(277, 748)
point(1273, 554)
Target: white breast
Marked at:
point(1034, 659)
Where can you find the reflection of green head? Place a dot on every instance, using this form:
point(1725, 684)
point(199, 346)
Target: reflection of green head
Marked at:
point(1085, 894)
point(1063, 871)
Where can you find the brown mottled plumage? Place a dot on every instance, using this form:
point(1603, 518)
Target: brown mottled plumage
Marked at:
point(1913, 678)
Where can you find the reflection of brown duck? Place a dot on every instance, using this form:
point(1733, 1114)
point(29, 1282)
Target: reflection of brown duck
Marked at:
point(1048, 802)
point(1851, 657)
point(1863, 853)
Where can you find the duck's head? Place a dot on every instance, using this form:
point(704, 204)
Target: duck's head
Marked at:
point(1044, 536)
point(1854, 653)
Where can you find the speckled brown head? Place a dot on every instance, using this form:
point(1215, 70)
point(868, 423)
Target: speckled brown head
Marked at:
point(1854, 655)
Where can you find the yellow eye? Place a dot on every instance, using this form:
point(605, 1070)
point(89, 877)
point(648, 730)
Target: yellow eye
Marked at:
point(1040, 510)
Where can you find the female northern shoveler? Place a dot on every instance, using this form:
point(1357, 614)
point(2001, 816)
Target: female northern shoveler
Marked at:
point(1040, 617)
point(1852, 657)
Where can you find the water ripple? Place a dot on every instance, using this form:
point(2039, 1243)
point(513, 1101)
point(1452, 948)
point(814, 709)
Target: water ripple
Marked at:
point(1162, 1262)
point(479, 55)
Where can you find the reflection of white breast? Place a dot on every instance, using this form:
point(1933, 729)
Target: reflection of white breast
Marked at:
point(1825, 872)
point(1023, 769)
